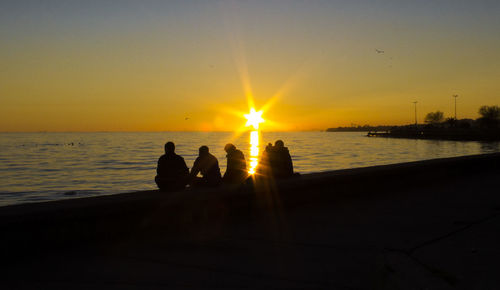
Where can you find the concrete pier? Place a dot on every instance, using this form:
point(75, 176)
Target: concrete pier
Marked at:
point(422, 225)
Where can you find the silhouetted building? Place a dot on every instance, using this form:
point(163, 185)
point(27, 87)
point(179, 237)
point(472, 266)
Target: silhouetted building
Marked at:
point(208, 166)
point(172, 172)
point(236, 171)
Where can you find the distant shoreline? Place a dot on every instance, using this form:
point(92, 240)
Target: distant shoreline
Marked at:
point(365, 128)
point(482, 129)
point(433, 133)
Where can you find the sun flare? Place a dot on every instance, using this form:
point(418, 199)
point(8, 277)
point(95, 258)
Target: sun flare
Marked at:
point(254, 118)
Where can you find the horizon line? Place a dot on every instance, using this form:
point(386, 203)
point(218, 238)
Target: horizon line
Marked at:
point(166, 131)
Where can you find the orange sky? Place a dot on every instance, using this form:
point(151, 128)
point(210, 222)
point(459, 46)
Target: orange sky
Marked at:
point(148, 67)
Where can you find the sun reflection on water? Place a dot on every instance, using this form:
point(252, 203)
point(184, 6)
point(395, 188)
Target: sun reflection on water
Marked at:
point(254, 151)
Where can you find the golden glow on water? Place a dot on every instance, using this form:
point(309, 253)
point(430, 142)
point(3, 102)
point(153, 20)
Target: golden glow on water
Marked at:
point(254, 151)
point(254, 118)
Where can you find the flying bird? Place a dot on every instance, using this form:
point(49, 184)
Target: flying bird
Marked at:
point(379, 51)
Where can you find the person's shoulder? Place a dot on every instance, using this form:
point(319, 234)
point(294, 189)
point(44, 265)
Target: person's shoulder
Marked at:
point(214, 159)
point(282, 152)
point(179, 157)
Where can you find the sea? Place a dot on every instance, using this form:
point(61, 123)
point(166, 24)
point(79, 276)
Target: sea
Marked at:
point(37, 167)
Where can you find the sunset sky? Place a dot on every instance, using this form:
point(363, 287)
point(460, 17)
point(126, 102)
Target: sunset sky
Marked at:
point(187, 65)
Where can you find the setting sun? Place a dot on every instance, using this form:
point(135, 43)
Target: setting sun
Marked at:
point(254, 118)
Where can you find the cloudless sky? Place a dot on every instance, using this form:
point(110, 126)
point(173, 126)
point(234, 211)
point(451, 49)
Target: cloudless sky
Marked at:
point(186, 65)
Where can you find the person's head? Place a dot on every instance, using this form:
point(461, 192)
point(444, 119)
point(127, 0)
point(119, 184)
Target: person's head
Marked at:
point(229, 147)
point(203, 150)
point(169, 147)
point(279, 144)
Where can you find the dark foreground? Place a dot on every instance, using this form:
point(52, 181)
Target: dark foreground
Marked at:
point(422, 225)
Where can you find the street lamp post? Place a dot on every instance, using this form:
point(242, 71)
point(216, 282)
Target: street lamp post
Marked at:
point(455, 96)
point(415, 103)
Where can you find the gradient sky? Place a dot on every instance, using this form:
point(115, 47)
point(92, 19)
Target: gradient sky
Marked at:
point(149, 65)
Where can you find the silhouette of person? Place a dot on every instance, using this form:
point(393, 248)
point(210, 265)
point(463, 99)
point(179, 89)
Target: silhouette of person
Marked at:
point(208, 166)
point(172, 172)
point(280, 160)
point(264, 168)
point(236, 171)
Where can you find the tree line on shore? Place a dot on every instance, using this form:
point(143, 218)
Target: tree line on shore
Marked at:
point(484, 128)
point(489, 119)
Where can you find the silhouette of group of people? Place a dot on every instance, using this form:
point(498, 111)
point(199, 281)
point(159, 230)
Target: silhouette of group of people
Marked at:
point(173, 173)
point(276, 161)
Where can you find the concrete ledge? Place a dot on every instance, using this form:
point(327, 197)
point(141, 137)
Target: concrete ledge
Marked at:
point(92, 219)
point(427, 225)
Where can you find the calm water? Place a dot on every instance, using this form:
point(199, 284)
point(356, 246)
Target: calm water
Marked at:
point(49, 166)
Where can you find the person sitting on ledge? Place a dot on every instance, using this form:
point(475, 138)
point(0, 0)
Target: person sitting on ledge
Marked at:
point(172, 172)
point(208, 166)
point(236, 171)
point(280, 161)
point(264, 167)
